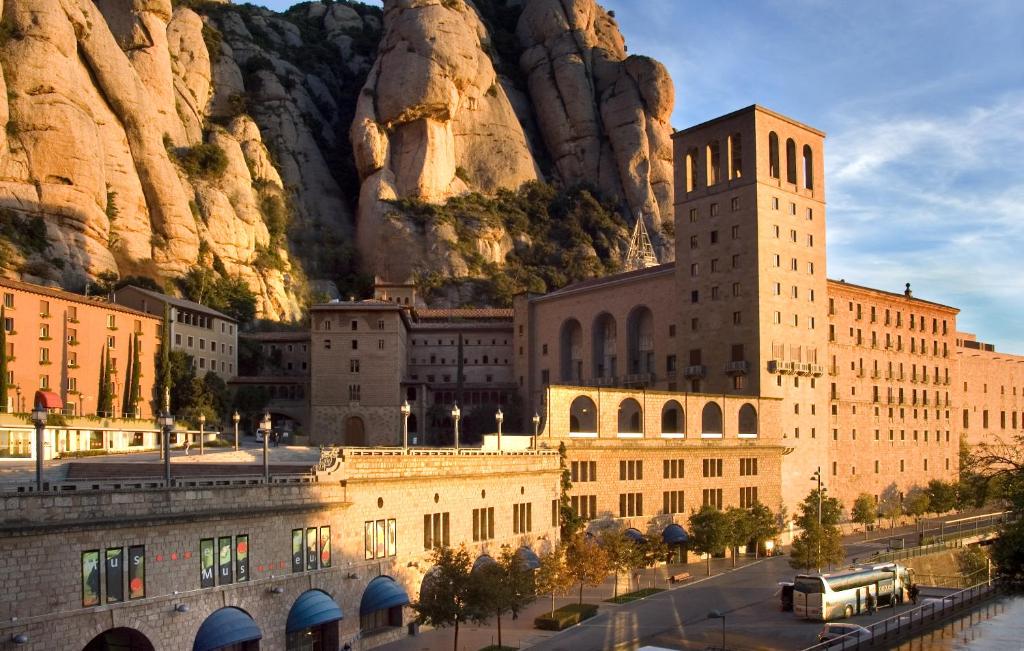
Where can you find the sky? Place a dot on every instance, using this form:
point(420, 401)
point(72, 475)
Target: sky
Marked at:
point(923, 107)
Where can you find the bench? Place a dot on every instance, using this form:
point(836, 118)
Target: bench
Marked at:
point(679, 578)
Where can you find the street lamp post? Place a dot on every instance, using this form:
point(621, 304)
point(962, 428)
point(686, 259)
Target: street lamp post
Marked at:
point(499, 418)
point(817, 477)
point(717, 614)
point(456, 414)
point(266, 424)
point(202, 432)
point(235, 418)
point(166, 423)
point(39, 420)
point(406, 410)
point(536, 428)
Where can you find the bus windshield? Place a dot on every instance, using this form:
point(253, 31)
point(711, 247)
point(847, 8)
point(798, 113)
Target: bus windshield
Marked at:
point(808, 584)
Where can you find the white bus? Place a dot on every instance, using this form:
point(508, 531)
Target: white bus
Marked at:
point(844, 594)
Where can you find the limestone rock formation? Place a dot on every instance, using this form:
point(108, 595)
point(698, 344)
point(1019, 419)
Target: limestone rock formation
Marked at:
point(602, 115)
point(151, 137)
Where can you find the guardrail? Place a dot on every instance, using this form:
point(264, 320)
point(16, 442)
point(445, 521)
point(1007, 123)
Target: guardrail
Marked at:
point(129, 484)
point(885, 632)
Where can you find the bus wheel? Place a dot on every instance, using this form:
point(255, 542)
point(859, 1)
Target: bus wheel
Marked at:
point(849, 612)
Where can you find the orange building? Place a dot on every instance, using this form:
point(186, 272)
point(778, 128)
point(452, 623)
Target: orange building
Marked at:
point(56, 341)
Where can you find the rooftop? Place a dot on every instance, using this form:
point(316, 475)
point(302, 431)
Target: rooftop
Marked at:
point(595, 283)
point(462, 313)
point(748, 109)
point(899, 295)
point(98, 301)
point(182, 303)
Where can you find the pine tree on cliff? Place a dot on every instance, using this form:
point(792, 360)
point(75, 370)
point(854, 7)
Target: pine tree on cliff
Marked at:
point(135, 392)
point(126, 407)
point(103, 403)
point(3, 361)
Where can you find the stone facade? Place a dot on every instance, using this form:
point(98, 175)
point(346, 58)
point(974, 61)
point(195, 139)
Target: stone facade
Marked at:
point(284, 375)
point(988, 393)
point(45, 536)
point(211, 338)
point(891, 366)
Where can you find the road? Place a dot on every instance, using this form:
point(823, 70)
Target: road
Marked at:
point(677, 619)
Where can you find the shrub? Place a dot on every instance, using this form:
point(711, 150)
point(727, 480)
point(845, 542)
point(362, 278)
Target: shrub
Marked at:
point(565, 617)
point(633, 596)
point(203, 160)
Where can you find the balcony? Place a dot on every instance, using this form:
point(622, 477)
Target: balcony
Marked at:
point(695, 372)
point(607, 381)
point(740, 367)
point(778, 366)
point(860, 372)
point(801, 369)
point(833, 371)
point(817, 370)
point(638, 379)
point(875, 374)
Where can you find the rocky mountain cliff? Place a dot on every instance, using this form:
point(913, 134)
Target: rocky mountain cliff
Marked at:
point(295, 151)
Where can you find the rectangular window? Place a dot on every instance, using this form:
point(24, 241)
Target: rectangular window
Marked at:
point(242, 558)
point(312, 549)
point(114, 568)
point(748, 497)
point(225, 569)
point(631, 504)
point(90, 576)
point(673, 469)
point(435, 530)
point(483, 524)
point(748, 466)
point(298, 556)
point(672, 502)
point(354, 392)
point(713, 497)
point(712, 467)
point(522, 518)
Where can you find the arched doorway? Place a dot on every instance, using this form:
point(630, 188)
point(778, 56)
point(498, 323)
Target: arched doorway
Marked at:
point(570, 350)
point(228, 629)
point(711, 421)
point(631, 418)
point(747, 421)
point(355, 431)
point(640, 335)
point(604, 344)
point(381, 605)
point(313, 622)
point(583, 416)
point(672, 419)
point(119, 639)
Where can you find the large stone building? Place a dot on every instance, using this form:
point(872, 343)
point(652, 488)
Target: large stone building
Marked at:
point(209, 336)
point(279, 364)
point(316, 561)
point(368, 357)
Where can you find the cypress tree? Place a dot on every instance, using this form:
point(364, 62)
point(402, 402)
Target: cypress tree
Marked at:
point(103, 391)
point(163, 385)
point(126, 407)
point(136, 391)
point(3, 362)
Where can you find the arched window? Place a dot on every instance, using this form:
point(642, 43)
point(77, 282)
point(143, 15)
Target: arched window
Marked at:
point(583, 416)
point(640, 342)
point(711, 421)
point(605, 346)
point(691, 176)
point(714, 162)
point(790, 161)
point(570, 351)
point(119, 638)
point(773, 155)
point(747, 421)
point(631, 417)
point(672, 420)
point(382, 602)
point(808, 168)
point(735, 156)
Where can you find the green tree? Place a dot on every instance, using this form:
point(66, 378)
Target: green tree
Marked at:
point(126, 406)
point(163, 362)
point(104, 399)
point(623, 553)
point(569, 522)
point(504, 586)
point(708, 532)
point(916, 502)
point(764, 525)
point(865, 511)
point(136, 387)
point(941, 496)
point(445, 599)
point(1003, 465)
point(553, 576)
point(890, 506)
point(587, 563)
point(820, 541)
point(739, 529)
point(3, 361)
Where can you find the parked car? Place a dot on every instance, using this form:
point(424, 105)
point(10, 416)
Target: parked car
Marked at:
point(836, 630)
point(786, 596)
point(259, 436)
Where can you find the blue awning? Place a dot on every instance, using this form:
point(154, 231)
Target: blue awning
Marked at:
point(312, 608)
point(528, 559)
point(482, 561)
point(635, 535)
point(674, 535)
point(225, 627)
point(383, 592)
